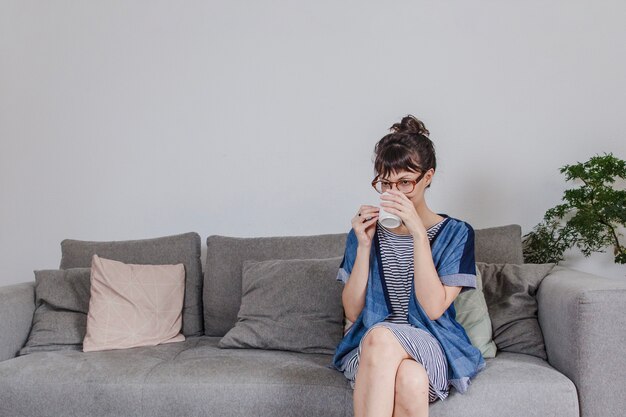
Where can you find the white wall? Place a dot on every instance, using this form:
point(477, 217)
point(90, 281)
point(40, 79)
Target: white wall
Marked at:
point(128, 120)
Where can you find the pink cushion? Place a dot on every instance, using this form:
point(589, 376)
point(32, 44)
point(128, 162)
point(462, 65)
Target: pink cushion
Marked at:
point(134, 305)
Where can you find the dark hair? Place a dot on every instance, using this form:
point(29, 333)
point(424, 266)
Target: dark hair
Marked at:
point(406, 148)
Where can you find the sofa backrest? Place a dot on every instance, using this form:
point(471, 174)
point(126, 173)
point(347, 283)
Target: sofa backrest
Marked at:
point(225, 255)
point(499, 245)
point(182, 248)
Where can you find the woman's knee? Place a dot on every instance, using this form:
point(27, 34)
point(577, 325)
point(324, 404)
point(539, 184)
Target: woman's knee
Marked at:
point(411, 381)
point(381, 344)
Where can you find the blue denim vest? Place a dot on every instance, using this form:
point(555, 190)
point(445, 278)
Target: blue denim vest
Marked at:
point(453, 253)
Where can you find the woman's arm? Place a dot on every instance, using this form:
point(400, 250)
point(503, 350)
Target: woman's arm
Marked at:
point(357, 265)
point(433, 296)
point(353, 295)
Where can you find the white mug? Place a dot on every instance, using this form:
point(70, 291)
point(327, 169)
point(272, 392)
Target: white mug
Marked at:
point(390, 221)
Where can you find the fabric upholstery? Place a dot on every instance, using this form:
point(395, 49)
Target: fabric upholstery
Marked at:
point(584, 327)
point(510, 292)
point(17, 306)
point(502, 244)
point(62, 302)
point(182, 248)
point(513, 384)
point(292, 304)
point(190, 378)
point(196, 378)
point(472, 313)
point(223, 270)
point(133, 305)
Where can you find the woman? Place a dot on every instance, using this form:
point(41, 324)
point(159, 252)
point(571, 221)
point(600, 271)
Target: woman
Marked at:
point(400, 285)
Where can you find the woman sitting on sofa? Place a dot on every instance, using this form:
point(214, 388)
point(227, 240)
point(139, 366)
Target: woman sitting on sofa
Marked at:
point(400, 285)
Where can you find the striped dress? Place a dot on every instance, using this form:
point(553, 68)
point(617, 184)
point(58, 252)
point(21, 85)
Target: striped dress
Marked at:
point(397, 260)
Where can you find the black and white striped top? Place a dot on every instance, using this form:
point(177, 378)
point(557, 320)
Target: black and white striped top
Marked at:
point(397, 258)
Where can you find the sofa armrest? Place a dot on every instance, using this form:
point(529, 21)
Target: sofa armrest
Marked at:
point(583, 320)
point(17, 306)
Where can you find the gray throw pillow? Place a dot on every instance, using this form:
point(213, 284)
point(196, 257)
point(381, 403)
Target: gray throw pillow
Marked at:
point(510, 292)
point(167, 250)
point(61, 306)
point(224, 261)
point(289, 304)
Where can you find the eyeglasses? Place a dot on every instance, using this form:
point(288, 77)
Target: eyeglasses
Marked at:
point(404, 186)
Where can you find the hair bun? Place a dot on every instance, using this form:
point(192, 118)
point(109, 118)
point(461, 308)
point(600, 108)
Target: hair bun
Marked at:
point(411, 125)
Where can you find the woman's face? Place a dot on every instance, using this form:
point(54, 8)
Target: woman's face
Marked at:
point(417, 194)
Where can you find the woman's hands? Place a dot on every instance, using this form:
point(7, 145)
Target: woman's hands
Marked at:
point(364, 225)
point(399, 204)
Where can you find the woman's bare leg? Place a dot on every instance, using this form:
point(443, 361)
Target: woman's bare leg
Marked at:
point(374, 388)
point(411, 398)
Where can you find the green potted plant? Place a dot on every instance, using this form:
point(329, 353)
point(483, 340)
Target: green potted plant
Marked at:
point(589, 216)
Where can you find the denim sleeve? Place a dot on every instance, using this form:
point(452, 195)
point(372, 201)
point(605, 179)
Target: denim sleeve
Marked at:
point(458, 265)
point(349, 257)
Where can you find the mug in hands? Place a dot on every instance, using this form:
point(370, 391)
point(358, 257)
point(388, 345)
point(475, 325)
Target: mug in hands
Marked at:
point(390, 221)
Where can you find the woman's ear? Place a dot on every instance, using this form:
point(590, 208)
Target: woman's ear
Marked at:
point(429, 176)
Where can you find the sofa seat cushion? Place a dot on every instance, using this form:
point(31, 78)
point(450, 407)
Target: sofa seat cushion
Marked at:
point(196, 378)
point(513, 384)
point(190, 378)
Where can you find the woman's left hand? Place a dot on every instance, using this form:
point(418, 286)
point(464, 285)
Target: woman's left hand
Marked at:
point(399, 204)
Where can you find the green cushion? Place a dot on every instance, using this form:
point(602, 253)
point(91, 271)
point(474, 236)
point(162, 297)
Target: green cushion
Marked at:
point(473, 315)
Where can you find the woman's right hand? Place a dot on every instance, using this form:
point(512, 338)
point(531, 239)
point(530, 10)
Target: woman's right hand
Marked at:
point(364, 229)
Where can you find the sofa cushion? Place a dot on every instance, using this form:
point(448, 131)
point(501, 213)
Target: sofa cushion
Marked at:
point(502, 244)
point(190, 378)
point(183, 248)
point(62, 301)
point(196, 378)
point(225, 256)
point(223, 270)
point(472, 313)
point(290, 304)
point(133, 305)
point(17, 307)
point(513, 384)
point(510, 291)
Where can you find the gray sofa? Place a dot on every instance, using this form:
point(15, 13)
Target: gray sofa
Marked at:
point(581, 316)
